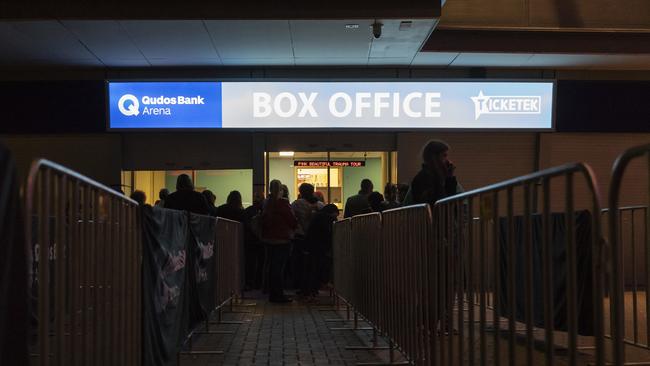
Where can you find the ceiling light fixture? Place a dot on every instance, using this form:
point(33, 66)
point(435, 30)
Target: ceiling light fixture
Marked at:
point(286, 153)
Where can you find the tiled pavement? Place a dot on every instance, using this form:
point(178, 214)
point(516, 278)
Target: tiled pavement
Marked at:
point(279, 334)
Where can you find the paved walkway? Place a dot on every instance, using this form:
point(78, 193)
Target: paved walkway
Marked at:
point(279, 334)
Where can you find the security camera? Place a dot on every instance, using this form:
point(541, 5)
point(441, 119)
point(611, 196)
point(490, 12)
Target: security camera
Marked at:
point(376, 29)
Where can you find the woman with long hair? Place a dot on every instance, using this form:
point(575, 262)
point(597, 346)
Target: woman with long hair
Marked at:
point(278, 225)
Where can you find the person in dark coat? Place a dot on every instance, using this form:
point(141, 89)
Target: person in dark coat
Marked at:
point(139, 197)
point(253, 247)
point(185, 198)
point(376, 200)
point(390, 196)
point(436, 179)
point(210, 198)
point(278, 225)
point(233, 208)
point(319, 237)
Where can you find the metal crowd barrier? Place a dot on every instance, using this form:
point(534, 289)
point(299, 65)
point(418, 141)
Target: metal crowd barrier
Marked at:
point(229, 246)
point(341, 248)
point(618, 299)
point(500, 337)
point(86, 258)
point(409, 314)
point(229, 251)
point(439, 280)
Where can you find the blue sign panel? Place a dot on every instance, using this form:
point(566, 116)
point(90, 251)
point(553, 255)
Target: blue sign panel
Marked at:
point(323, 105)
point(164, 105)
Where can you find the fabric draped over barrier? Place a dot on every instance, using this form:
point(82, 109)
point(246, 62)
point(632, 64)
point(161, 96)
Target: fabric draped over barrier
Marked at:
point(559, 251)
point(203, 231)
point(165, 297)
point(13, 269)
point(181, 278)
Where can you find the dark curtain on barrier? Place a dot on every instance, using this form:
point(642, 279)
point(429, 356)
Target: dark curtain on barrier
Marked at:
point(13, 268)
point(165, 299)
point(178, 279)
point(585, 305)
point(203, 230)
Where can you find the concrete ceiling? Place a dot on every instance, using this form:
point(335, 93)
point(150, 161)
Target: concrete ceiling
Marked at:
point(201, 43)
point(134, 43)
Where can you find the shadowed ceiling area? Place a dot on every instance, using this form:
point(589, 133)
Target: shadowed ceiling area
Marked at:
point(575, 34)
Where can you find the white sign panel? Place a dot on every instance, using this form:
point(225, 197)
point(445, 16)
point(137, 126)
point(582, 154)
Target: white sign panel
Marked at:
point(339, 105)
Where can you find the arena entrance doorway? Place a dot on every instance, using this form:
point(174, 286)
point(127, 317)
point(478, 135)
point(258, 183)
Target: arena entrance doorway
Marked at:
point(337, 175)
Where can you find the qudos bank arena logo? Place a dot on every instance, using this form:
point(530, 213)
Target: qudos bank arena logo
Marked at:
point(506, 104)
point(129, 105)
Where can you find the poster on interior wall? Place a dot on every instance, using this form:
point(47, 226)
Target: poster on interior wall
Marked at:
point(387, 105)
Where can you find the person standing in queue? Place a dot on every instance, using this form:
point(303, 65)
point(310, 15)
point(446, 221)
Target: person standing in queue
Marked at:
point(319, 237)
point(211, 199)
point(233, 209)
point(358, 204)
point(436, 180)
point(278, 225)
point(139, 197)
point(253, 248)
point(186, 198)
point(304, 208)
point(162, 195)
point(390, 196)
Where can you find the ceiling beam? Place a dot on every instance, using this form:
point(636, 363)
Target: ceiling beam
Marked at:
point(226, 9)
point(557, 42)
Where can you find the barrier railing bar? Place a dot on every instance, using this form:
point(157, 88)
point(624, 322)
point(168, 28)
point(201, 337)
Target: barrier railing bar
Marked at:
point(572, 312)
point(512, 283)
point(60, 169)
point(110, 280)
point(59, 281)
point(635, 317)
point(529, 178)
point(547, 272)
point(74, 274)
point(646, 241)
point(483, 287)
point(497, 277)
point(528, 287)
point(627, 208)
point(470, 282)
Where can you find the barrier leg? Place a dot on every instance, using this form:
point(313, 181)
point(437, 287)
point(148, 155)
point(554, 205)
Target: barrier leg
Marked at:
point(192, 351)
point(391, 358)
point(355, 323)
point(374, 346)
point(334, 306)
point(221, 321)
point(208, 331)
point(232, 305)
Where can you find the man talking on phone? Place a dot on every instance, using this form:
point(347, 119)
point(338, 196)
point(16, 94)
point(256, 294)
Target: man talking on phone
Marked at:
point(436, 179)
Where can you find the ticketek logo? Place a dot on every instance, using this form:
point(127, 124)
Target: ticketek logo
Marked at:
point(505, 104)
point(129, 105)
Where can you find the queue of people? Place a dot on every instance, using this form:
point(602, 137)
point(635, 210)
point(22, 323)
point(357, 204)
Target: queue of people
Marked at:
point(289, 245)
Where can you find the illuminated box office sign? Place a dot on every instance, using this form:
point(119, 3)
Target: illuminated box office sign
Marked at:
point(325, 163)
point(324, 105)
